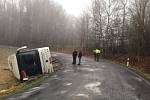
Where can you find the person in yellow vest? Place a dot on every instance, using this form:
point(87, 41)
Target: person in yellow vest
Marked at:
point(97, 51)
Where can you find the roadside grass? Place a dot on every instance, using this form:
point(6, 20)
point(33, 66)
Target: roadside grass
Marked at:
point(23, 86)
point(6, 77)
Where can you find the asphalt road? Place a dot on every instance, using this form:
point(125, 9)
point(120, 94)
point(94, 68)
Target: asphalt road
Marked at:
point(90, 81)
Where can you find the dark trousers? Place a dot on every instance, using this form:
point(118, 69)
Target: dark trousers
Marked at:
point(79, 60)
point(97, 57)
point(74, 60)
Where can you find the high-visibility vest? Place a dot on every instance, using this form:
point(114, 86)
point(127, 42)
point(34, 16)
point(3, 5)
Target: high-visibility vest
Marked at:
point(97, 51)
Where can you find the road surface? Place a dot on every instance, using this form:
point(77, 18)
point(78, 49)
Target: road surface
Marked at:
point(90, 81)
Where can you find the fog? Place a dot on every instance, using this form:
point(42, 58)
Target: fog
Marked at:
point(35, 23)
point(115, 26)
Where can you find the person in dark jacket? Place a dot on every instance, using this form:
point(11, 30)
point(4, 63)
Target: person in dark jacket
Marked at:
point(74, 55)
point(79, 56)
point(94, 52)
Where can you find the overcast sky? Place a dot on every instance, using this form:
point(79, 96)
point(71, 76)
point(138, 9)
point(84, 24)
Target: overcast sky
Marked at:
point(74, 7)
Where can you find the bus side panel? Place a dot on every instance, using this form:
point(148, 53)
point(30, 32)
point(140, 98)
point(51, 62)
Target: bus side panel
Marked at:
point(45, 60)
point(13, 66)
point(41, 60)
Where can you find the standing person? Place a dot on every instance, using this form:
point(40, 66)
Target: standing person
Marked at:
point(98, 51)
point(79, 56)
point(94, 52)
point(74, 55)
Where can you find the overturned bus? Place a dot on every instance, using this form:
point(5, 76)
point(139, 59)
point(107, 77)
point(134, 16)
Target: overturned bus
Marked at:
point(30, 62)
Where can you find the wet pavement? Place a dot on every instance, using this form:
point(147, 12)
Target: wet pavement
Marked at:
point(90, 81)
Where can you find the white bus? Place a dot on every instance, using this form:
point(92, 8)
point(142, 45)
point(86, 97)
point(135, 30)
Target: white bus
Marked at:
point(30, 62)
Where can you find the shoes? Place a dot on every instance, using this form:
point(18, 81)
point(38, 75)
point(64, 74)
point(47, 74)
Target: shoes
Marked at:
point(97, 60)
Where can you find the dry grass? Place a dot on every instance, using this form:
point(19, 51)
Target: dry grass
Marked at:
point(6, 77)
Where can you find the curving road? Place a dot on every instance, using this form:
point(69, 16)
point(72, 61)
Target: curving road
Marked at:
point(90, 81)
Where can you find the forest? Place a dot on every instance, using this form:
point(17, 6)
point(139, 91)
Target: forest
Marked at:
point(35, 23)
point(115, 26)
